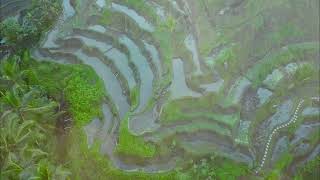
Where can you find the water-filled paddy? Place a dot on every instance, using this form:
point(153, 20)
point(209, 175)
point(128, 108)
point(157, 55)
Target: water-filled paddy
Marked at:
point(172, 89)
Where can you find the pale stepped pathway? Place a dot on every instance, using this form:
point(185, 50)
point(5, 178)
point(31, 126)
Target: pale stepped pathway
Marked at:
point(293, 120)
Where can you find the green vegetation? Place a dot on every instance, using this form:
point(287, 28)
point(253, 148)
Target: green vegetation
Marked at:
point(27, 32)
point(11, 29)
point(28, 115)
point(255, 35)
point(214, 168)
point(170, 24)
point(106, 17)
point(134, 97)
point(229, 120)
point(133, 145)
point(193, 127)
point(290, 53)
point(164, 38)
point(197, 108)
point(173, 113)
point(226, 57)
point(27, 104)
point(280, 165)
point(27, 124)
point(88, 163)
point(77, 85)
point(309, 171)
point(304, 72)
point(44, 106)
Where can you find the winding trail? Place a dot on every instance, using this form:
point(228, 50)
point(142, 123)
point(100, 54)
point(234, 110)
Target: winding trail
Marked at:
point(293, 120)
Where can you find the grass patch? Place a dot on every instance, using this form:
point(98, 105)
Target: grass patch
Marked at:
point(87, 163)
point(164, 39)
point(189, 109)
point(106, 17)
point(214, 168)
point(191, 128)
point(304, 72)
point(130, 144)
point(310, 170)
point(280, 165)
point(226, 55)
point(174, 113)
point(134, 97)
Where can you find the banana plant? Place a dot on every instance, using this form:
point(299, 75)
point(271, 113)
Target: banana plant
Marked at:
point(11, 72)
point(25, 125)
point(23, 146)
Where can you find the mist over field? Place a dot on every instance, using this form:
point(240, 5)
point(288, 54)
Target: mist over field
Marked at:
point(159, 89)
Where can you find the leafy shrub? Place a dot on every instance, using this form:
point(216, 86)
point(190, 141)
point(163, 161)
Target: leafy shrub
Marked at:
point(11, 30)
point(38, 19)
point(304, 72)
point(84, 92)
point(78, 85)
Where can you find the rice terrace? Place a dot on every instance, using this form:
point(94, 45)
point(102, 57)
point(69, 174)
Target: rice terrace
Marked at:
point(159, 89)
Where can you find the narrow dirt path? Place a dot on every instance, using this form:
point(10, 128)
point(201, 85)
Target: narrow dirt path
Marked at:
point(293, 120)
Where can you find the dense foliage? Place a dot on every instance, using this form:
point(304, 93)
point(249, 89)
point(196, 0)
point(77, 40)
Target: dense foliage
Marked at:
point(27, 30)
point(27, 122)
point(34, 96)
point(76, 86)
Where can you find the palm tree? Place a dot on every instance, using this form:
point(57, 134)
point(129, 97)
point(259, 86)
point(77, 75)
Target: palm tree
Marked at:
point(24, 149)
point(10, 71)
point(26, 123)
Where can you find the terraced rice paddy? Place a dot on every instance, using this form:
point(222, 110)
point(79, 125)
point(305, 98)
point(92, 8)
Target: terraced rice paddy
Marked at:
point(205, 100)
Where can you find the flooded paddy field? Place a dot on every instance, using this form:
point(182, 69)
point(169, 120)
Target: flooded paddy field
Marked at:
point(209, 89)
